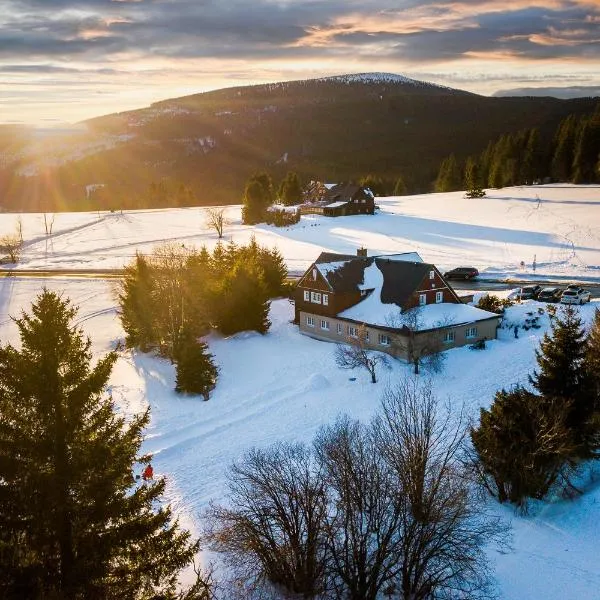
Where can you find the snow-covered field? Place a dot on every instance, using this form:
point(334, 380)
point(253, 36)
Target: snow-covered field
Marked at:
point(283, 386)
point(558, 226)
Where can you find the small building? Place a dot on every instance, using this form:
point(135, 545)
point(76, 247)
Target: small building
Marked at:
point(341, 200)
point(405, 304)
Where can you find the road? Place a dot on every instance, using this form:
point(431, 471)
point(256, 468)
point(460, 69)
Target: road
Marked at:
point(484, 285)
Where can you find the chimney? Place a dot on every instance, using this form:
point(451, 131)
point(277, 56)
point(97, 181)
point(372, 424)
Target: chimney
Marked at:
point(361, 252)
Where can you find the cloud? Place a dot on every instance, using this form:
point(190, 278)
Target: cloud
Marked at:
point(266, 40)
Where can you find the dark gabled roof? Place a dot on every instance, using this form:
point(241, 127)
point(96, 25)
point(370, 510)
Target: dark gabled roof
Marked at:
point(345, 192)
point(346, 273)
point(400, 279)
point(327, 257)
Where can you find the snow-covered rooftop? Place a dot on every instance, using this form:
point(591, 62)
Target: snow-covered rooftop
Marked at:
point(423, 318)
point(336, 204)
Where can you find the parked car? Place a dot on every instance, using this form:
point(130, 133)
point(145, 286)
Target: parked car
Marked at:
point(550, 294)
point(575, 295)
point(530, 292)
point(461, 273)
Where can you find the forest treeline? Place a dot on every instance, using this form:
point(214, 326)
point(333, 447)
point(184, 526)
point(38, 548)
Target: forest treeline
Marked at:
point(523, 158)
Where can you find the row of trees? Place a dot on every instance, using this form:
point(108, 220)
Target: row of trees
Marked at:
point(530, 442)
point(74, 523)
point(383, 509)
point(175, 295)
point(523, 157)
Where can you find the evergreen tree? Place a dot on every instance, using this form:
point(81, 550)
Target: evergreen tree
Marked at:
point(274, 271)
point(522, 445)
point(136, 302)
point(196, 371)
point(472, 180)
point(533, 160)
point(564, 149)
point(592, 360)
point(258, 196)
point(587, 150)
point(374, 183)
point(73, 524)
point(449, 178)
point(290, 190)
point(400, 187)
point(243, 300)
point(562, 374)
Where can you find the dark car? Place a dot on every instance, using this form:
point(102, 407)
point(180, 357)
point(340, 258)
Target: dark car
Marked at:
point(461, 273)
point(530, 292)
point(550, 294)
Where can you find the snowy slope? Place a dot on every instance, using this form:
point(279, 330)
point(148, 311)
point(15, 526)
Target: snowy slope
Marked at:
point(283, 386)
point(558, 226)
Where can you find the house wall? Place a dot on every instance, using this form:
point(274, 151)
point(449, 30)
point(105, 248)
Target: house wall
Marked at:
point(336, 302)
point(399, 342)
point(430, 287)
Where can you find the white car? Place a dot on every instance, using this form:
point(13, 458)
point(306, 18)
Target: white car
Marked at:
point(574, 295)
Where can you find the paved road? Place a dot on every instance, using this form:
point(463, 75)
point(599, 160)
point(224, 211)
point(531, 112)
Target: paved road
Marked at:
point(484, 285)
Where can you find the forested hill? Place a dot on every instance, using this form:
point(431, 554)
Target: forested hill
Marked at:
point(201, 149)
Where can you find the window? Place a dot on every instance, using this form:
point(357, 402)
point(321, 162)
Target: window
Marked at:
point(352, 331)
point(439, 297)
point(471, 332)
point(449, 337)
point(363, 201)
point(339, 328)
point(422, 299)
point(384, 340)
point(431, 274)
point(324, 325)
point(367, 335)
point(325, 299)
point(315, 297)
point(310, 321)
point(306, 296)
point(315, 274)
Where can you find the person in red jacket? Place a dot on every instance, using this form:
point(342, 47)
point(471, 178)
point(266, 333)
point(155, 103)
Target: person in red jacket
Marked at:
point(148, 473)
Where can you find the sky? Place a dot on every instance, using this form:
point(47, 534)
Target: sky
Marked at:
point(65, 61)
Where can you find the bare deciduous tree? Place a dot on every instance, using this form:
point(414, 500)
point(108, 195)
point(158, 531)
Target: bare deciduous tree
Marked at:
point(356, 353)
point(215, 220)
point(273, 533)
point(364, 527)
point(48, 223)
point(444, 524)
point(12, 243)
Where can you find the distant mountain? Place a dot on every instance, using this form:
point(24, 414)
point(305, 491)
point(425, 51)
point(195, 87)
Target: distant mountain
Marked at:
point(202, 148)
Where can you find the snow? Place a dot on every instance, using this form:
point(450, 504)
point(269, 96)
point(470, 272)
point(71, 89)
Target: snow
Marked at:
point(337, 204)
point(372, 311)
point(284, 386)
point(558, 225)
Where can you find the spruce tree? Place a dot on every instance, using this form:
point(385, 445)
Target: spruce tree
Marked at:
point(243, 300)
point(136, 302)
point(449, 177)
point(400, 187)
point(522, 445)
point(73, 523)
point(592, 361)
point(587, 149)
point(562, 374)
point(564, 149)
point(196, 371)
point(290, 189)
point(473, 180)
